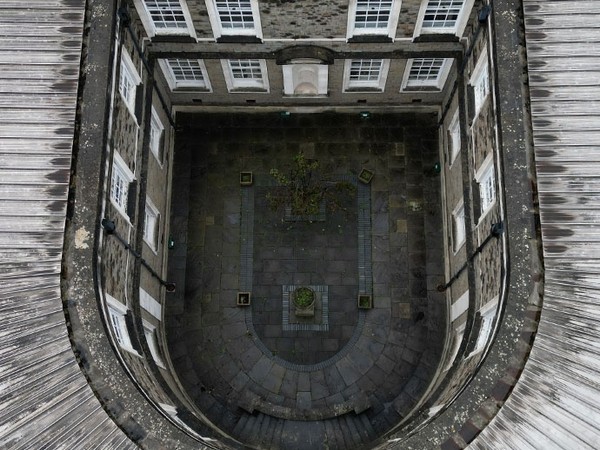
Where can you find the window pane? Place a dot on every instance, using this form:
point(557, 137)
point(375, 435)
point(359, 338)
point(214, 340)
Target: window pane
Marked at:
point(119, 187)
point(426, 69)
point(442, 13)
point(166, 14)
point(235, 14)
point(245, 69)
point(186, 69)
point(372, 13)
point(365, 69)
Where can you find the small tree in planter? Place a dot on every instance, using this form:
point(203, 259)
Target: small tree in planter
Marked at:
point(365, 301)
point(304, 191)
point(304, 301)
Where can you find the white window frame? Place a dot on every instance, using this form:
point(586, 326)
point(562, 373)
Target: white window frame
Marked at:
point(151, 26)
point(151, 339)
point(454, 131)
point(116, 317)
point(151, 225)
point(129, 80)
point(366, 85)
point(156, 132)
point(217, 25)
point(294, 74)
point(150, 304)
point(480, 81)
point(436, 84)
point(241, 85)
point(488, 314)
point(120, 179)
point(486, 180)
point(459, 231)
point(191, 84)
point(389, 30)
point(458, 27)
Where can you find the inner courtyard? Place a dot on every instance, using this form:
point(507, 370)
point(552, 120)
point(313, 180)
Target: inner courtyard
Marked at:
point(383, 240)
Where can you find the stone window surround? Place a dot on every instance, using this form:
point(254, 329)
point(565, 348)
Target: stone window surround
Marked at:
point(365, 85)
point(116, 317)
point(156, 131)
point(121, 177)
point(151, 225)
point(151, 28)
point(217, 26)
point(436, 84)
point(457, 28)
point(459, 231)
point(488, 314)
point(198, 83)
point(480, 82)
point(486, 180)
point(129, 80)
point(246, 84)
point(454, 138)
point(392, 22)
point(151, 338)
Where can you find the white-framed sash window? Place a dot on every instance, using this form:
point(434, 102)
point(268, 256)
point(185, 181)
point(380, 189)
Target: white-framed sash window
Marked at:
point(182, 74)
point(128, 81)
point(121, 178)
point(426, 73)
point(480, 83)
point(246, 75)
point(156, 132)
point(458, 226)
point(443, 16)
point(151, 224)
point(234, 18)
point(486, 179)
point(373, 17)
point(365, 75)
point(116, 315)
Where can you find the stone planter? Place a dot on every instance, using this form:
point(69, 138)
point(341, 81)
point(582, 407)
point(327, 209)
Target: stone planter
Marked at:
point(243, 299)
point(366, 176)
point(304, 302)
point(246, 178)
point(365, 301)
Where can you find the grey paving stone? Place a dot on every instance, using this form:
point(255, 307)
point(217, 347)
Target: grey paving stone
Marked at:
point(303, 400)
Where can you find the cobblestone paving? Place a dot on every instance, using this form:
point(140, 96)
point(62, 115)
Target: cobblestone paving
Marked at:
point(372, 365)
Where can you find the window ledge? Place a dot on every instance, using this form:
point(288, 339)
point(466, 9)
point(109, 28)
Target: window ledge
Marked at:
point(239, 38)
point(184, 36)
point(363, 90)
point(370, 38)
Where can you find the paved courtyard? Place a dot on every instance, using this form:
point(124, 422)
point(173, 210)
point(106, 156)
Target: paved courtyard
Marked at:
point(369, 366)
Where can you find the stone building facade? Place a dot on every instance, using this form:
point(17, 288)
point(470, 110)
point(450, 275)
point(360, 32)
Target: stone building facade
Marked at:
point(174, 58)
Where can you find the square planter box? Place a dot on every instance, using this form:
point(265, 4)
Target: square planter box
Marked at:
point(246, 178)
point(366, 176)
point(243, 299)
point(365, 301)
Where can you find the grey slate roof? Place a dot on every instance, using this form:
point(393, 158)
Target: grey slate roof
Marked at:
point(44, 397)
point(555, 403)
